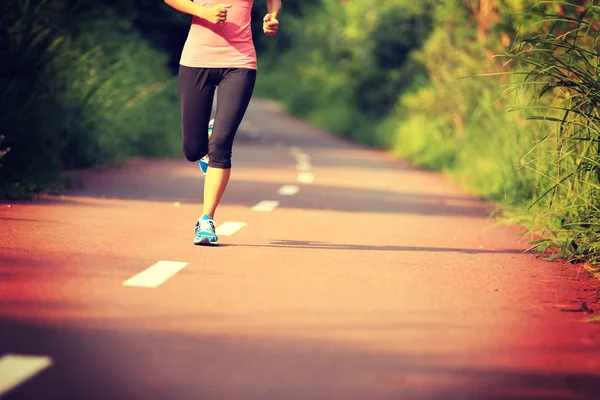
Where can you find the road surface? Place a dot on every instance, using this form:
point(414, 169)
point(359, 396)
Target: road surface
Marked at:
point(343, 273)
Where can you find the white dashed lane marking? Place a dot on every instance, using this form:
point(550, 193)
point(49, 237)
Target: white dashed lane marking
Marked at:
point(16, 369)
point(229, 228)
point(303, 162)
point(302, 156)
point(266, 205)
point(295, 150)
point(306, 177)
point(303, 166)
point(288, 190)
point(155, 275)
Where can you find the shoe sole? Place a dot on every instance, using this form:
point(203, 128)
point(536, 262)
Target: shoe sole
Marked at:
point(205, 242)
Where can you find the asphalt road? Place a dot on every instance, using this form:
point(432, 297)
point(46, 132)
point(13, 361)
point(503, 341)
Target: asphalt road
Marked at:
point(342, 273)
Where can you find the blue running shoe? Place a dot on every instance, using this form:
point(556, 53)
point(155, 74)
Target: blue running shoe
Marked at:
point(205, 232)
point(203, 162)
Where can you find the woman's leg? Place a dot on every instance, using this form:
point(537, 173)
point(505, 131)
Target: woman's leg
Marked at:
point(215, 183)
point(234, 94)
point(196, 94)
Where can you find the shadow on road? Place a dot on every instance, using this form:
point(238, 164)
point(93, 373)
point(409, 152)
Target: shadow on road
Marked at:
point(349, 199)
point(301, 244)
point(171, 187)
point(116, 363)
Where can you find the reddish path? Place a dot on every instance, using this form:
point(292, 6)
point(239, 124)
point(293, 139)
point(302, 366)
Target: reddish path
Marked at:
point(375, 281)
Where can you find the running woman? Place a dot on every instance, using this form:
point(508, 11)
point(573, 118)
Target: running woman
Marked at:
point(219, 52)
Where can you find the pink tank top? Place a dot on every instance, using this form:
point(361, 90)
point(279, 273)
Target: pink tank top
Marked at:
point(227, 45)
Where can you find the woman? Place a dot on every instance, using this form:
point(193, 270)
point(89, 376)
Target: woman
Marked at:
point(219, 52)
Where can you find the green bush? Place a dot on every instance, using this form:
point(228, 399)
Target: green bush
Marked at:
point(347, 64)
point(28, 97)
point(79, 87)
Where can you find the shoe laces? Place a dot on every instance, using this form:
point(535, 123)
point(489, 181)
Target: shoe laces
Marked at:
point(207, 225)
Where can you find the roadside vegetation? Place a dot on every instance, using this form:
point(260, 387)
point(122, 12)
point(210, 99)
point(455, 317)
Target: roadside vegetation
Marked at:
point(79, 86)
point(502, 96)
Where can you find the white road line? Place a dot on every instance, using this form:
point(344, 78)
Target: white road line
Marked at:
point(16, 369)
point(229, 228)
point(306, 177)
point(266, 205)
point(303, 166)
point(288, 190)
point(295, 150)
point(303, 157)
point(156, 275)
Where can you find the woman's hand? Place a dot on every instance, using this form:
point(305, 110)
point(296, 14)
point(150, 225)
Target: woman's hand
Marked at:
point(216, 14)
point(270, 25)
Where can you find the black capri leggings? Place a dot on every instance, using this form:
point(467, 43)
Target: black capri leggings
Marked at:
point(196, 93)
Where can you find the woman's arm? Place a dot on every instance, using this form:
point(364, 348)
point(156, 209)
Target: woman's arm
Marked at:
point(216, 14)
point(274, 7)
point(270, 22)
point(187, 7)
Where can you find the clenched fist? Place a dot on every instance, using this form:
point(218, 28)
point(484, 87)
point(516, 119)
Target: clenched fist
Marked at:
point(217, 14)
point(270, 25)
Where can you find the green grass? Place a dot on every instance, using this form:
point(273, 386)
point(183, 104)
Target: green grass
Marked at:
point(562, 67)
point(78, 87)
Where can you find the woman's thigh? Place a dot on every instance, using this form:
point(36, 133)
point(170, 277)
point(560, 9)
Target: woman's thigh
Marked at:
point(233, 97)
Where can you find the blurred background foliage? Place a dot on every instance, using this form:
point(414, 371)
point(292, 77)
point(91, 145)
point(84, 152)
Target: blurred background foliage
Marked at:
point(502, 96)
